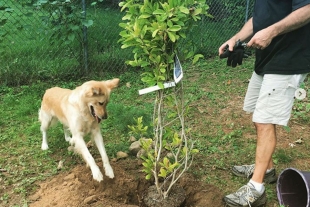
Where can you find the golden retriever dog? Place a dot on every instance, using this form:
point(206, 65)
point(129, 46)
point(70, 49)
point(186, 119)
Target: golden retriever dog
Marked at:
point(80, 111)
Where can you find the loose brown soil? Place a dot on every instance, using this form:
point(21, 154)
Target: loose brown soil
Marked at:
point(127, 189)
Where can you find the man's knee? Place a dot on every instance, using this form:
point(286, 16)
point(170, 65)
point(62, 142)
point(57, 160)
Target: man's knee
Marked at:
point(264, 126)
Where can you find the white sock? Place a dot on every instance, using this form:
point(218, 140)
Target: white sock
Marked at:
point(268, 170)
point(258, 186)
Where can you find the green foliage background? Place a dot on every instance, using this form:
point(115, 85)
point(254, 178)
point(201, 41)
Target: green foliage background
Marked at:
point(37, 44)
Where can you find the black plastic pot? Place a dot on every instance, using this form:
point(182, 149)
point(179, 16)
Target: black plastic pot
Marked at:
point(293, 188)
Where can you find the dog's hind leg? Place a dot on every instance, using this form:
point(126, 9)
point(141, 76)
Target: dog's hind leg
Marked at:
point(100, 145)
point(80, 147)
point(45, 120)
point(67, 134)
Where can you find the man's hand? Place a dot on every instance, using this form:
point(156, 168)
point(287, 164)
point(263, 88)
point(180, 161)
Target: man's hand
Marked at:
point(261, 39)
point(235, 56)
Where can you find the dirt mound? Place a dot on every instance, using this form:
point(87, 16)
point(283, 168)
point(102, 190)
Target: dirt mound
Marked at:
point(77, 188)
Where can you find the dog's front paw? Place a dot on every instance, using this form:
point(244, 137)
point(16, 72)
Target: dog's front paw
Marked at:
point(44, 146)
point(109, 171)
point(71, 141)
point(97, 175)
point(68, 139)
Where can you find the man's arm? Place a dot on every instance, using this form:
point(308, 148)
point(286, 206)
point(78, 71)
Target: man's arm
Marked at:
point(293, 21)
point(245, 33)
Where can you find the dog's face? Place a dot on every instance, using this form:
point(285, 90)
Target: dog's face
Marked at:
point(97, 95)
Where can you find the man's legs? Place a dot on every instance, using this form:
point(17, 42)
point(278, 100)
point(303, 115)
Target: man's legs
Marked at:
point(271, 98)
point(253, 193)
point(266, 144)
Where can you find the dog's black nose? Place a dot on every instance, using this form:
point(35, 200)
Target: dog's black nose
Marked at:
point(105, 116)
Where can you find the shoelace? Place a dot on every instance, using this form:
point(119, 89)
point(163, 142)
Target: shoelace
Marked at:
point(249, 170)
point(246, 193)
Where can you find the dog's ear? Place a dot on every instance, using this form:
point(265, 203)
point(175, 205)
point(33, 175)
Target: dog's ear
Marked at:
point(93, 91)
point(112, 83)
point(96, 91)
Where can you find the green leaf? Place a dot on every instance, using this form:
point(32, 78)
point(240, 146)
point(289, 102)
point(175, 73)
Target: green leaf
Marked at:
point(160, 85)
point(197, 11)
point(160, 77)
point(176, 140)
point(172, 36)
point(197, 57)
point(148, 176)
point(185, 150)
point(175, 28)
point(194, 151)
point(166, 162)
point(74, 27)
point(127, 17)
point(184, 10)
point(87, 23)
point(124, 6)
point(144, 16)
point(182, 34)
point(159, 12)
point(189, 54)
point(155, 32)
point(9, 9)
point(125, 46)
point(162, 18)
point(172, 114)
point(162, 173)
point(71, 37)
point(172, 167)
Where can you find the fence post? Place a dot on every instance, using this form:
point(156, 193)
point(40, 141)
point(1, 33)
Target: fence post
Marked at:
point(247, 10)
point(85, 42)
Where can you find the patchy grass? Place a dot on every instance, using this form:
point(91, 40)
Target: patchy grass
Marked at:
point(224, 134)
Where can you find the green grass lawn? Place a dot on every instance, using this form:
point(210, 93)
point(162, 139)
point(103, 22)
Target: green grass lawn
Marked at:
point(224, 134)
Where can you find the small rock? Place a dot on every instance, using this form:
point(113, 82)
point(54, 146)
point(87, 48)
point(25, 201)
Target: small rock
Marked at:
point(170, 155)
point(121, 155)
point(43, 186)
point(140, 162)
point(132, 139)
point(35, 197)
point(92, 192)
point(69, 177)
point(135, 147)
point(141, 152)
point(90, 199)
point(60, 165)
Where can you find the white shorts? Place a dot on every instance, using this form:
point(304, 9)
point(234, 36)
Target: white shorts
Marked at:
point(271, 97)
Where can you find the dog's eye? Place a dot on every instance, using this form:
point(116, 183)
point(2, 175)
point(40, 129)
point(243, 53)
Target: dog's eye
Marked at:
point(101, 103)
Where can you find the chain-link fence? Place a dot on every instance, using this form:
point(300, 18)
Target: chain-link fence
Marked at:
point(42, 39)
